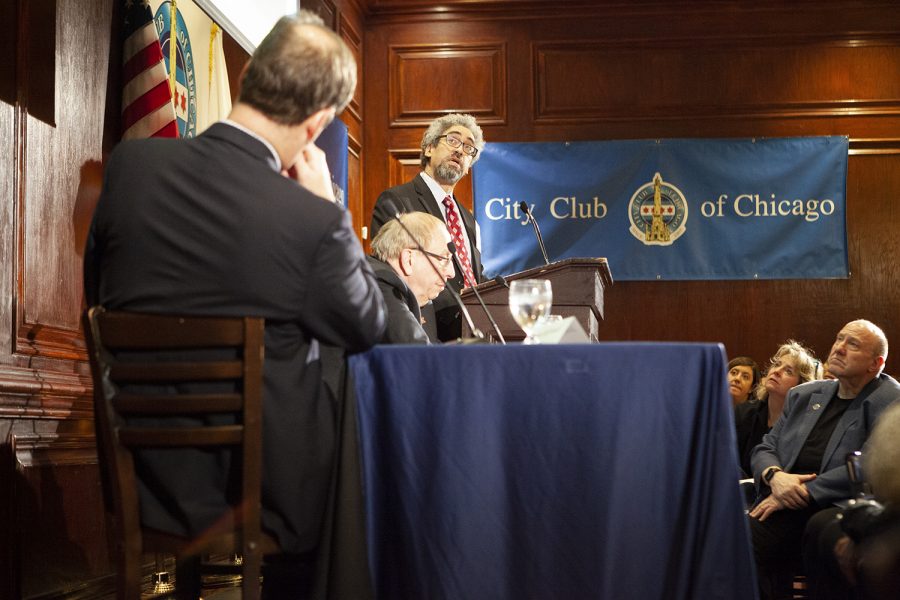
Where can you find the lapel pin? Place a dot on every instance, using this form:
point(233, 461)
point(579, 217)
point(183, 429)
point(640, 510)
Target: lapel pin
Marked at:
point(816, 406)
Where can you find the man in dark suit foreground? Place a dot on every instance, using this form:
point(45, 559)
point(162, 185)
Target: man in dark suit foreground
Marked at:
point(408, 277)
point(449, 148)
point(241, 221)
point(800, 465)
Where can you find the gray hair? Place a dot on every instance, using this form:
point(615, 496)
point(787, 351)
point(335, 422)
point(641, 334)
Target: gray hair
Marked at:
point(391, 239)
point(437, 128)
point(808, 366)
point(299, 68)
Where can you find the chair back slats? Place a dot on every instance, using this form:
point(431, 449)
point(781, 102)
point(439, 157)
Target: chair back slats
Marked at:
point(180, 437)
point(185, 404)
point(154, 332)
point(149, 368)
point(174, 372)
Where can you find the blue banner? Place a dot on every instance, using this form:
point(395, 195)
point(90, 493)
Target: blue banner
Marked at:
point(669, 209)
point(333, 141)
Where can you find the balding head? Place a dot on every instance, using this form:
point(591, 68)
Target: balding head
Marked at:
point(300, 67)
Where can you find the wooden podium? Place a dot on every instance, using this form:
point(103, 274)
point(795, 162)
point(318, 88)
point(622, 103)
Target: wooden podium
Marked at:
point(578, 285)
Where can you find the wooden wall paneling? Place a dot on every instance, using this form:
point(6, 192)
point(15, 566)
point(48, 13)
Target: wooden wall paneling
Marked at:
point(38, 72)
point(235, 59)
point(9, 22)
point(62, 534)
point(428, 80)
point(62, 172)
point(350, 33)
point(50, 174)
point(348, 25)
point(684, 79)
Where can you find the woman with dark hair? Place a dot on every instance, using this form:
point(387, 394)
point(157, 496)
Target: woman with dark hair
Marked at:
point(743, 377)
point(792, 365)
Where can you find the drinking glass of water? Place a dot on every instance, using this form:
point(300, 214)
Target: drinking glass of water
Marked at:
point(529, 301)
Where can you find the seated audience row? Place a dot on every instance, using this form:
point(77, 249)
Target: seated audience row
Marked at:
point(799, 466)
point(854, 552)
point(791, 365)
point(743, 377)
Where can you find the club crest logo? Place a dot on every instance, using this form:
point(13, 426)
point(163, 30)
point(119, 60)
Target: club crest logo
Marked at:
point(658, 213)
point(185, 92)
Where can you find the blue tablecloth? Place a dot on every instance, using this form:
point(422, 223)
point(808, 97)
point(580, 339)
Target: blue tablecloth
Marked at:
point(601, 471)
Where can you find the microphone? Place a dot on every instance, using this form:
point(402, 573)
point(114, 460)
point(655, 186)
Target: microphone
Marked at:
point(452, 248)
point(501, 280)
point(537, 231)
point(392, 210)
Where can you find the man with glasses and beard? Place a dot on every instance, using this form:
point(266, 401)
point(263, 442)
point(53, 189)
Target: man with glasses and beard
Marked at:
point(449, 148)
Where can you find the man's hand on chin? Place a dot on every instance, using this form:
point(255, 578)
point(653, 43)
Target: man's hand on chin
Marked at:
point(310, 170)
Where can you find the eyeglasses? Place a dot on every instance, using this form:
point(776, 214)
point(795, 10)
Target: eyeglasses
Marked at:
point(455, 142)
point(442, 260)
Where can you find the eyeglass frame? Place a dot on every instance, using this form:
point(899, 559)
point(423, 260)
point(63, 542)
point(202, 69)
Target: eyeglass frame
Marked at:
point(446, 137)
point(442, 260)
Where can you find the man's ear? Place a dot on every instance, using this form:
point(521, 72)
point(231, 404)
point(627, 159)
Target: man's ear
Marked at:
point(317, 122)
point(405, 262)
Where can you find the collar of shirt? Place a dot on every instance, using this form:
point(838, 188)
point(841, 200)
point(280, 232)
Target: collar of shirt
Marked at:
point(265, 142)
point(439, 194)
point(437, 191)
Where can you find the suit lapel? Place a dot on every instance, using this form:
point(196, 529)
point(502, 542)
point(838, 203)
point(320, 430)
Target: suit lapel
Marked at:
point(426, 198)
point(848, 419)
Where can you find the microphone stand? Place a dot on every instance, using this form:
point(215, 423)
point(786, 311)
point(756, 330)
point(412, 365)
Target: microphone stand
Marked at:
point(479, 336)
point(537, 232)
point(452, 248)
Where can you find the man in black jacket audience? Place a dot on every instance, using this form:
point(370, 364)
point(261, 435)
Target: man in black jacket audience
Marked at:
point(241, 220)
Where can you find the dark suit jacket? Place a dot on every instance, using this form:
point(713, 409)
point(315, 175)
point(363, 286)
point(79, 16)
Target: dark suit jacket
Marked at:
point(208, 227)
point(404, 320)
point(802, 409)
point(751, 423)
point(414, 196)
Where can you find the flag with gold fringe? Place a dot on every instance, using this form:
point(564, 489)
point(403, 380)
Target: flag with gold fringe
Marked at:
point(192, 51)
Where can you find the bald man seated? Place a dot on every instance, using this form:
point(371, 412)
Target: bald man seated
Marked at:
point(410, 278)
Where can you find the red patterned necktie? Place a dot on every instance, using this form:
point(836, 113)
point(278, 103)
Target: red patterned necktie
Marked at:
point(455, 226)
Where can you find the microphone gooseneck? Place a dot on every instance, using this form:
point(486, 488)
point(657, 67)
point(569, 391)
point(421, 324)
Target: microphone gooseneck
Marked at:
point(537, 231)
point(392, 210)
point(452, 248)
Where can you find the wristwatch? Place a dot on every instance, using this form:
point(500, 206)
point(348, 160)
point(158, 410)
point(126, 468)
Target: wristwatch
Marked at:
point(770, 473)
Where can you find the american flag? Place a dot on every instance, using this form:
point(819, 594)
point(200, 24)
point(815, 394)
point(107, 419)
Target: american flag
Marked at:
point(147, 109)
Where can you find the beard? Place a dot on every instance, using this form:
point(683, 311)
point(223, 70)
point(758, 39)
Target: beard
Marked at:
point(447, 172)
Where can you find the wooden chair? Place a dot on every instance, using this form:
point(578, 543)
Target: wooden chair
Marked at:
point(142, 338)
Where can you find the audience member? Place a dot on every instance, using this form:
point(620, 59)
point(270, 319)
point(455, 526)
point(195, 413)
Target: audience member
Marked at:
point(799, 466)
point(854, 553)
point(408, 277)
point(791, 365)
point(743, 376)
point(241, 221)
point(449, 148)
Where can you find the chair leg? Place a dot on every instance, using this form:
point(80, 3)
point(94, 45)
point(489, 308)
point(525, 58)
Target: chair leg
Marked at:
point(187, 578)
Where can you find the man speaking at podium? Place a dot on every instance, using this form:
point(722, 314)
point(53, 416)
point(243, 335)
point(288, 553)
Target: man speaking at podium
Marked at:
point(450, 146)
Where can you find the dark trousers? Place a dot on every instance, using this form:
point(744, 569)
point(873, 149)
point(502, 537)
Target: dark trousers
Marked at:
point(288, 577)
point(777, 549)
point(823, 574)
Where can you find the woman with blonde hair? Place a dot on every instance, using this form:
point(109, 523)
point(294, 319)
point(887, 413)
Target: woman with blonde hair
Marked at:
point(791, 365)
